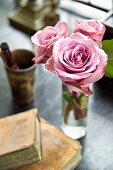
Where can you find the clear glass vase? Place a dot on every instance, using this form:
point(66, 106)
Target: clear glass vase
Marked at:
point(74, 113)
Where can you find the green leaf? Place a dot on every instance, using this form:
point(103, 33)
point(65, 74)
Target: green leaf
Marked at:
point(68, 96)
point(108, 48)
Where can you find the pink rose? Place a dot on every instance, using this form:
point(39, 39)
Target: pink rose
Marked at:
point(44, 39)
point(78, 61)
point(92, 28)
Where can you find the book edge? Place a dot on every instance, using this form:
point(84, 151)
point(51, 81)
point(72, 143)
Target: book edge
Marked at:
point(74, 162)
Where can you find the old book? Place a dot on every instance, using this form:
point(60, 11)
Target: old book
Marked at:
point(20, 143)
point(59, 152)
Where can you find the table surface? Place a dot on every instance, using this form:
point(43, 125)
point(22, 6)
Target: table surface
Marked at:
point(98, 143)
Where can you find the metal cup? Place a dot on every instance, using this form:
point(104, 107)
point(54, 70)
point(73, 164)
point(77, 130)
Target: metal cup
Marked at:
point(22, 80)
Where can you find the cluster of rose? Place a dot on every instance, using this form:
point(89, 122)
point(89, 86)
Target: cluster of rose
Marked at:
point(76, 58)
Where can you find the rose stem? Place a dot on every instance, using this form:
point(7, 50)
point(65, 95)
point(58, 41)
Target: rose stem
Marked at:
point(78, 113)
point(67, 110)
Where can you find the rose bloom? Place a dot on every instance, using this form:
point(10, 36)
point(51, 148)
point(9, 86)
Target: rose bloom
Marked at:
point(92, 28)
point(44, 39)
point(78, 61)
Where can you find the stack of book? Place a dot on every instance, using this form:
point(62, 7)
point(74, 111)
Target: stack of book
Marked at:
point(20, 144)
